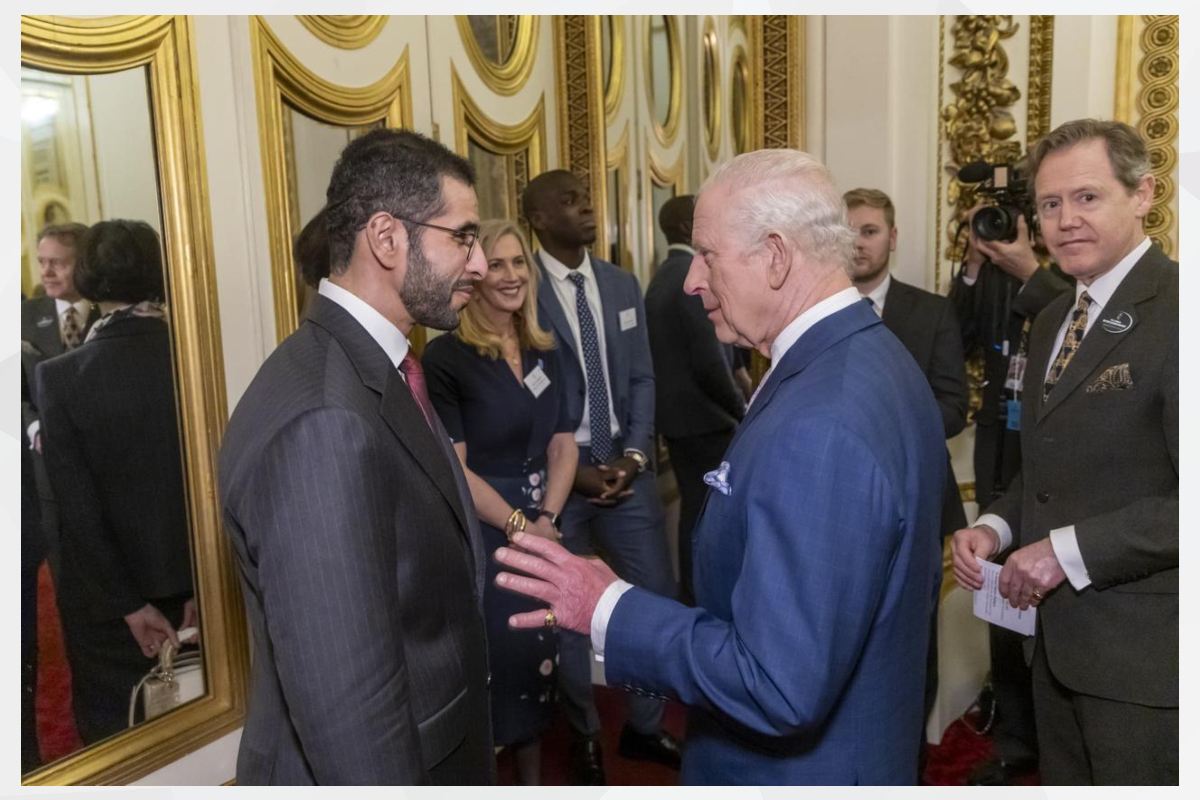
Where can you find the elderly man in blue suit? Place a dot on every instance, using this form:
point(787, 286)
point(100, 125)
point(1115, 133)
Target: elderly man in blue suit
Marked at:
point(816, 555)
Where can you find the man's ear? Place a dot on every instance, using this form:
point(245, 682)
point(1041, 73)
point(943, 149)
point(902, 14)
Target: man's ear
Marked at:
point(780, 264)
point(387, 239)
point(892, 239)
point(1145, 196)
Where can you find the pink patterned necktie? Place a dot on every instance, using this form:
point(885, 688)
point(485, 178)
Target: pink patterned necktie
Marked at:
point(415, 376)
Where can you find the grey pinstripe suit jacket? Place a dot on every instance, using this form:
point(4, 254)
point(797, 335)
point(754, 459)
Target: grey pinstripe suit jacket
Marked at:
point(362, 566)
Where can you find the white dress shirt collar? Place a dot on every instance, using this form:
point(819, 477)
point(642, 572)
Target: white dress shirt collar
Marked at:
point(382, 331)
point(800, 325)
point(878, 295)
point(82, 307)
point(560, 271)
point(1103, 288)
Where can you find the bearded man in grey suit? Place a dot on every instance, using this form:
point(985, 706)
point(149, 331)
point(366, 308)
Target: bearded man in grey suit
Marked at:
point(1094, 513)
point(358, 544)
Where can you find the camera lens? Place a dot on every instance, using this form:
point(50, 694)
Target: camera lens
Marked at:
point(995, 224)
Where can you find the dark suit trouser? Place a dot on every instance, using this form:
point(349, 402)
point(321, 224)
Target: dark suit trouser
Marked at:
point(1090, 740)
point(691, 458)
point(632, 538)
point(29, 661)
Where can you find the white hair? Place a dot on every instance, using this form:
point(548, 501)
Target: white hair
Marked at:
point(789, 193)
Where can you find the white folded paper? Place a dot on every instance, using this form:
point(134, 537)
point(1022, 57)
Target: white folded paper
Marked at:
point(991, 607)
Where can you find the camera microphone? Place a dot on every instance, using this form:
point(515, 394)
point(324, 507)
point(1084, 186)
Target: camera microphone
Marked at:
point(975, 172)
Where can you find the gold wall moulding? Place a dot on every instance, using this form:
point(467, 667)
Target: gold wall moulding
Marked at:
point(524, 141)
point(165, 46)
point(1158, 121)
point(1041, 74)
point(779, 85)
point(662, 176)
point(617, 190)
point(710, 71)
point(281, 80)
point(741, 103)
point(665, 129)
point(347, 31)
point(581, 119)
point(511, 74)
point(614, 81)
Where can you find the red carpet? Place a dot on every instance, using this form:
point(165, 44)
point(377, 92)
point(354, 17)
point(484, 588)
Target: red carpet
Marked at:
point(949, 763)
point(56, 732)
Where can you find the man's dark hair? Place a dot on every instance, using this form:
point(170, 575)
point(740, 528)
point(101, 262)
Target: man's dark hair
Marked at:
point(399, 172)
point(1125, 146)
point(539, 189)
point(311, 250)
point(675, 219)
point(121, 262)
point(70, 234)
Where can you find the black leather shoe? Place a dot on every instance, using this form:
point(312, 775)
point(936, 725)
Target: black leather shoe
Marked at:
point(661, 748)
point(998, 772)
point(587, 764)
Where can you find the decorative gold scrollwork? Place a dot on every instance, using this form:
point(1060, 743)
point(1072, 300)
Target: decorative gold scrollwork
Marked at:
point(581, 115)
point(1041, 70)
point(1158, 109)
point(347, 31)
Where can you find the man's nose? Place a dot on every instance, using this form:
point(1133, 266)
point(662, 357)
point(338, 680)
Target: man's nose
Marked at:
point(695, 278)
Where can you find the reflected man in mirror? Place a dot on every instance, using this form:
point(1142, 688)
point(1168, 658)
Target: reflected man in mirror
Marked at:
point(359, 547)
point(110, 437)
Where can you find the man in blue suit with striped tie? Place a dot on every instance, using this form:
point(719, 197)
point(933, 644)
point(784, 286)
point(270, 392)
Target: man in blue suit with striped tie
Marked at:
point(816, 561)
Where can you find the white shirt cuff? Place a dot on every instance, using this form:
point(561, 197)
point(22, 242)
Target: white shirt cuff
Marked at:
point(604, 610)
point(968, 280)
point(1066, 550)
point(32, 431)
point(1001, 528)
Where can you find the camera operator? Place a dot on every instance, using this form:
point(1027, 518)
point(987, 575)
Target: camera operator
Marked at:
point(997, 294)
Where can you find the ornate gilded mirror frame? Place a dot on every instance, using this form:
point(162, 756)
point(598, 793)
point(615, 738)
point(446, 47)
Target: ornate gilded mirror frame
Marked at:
point(663, 176)
point(665, 131)
point(614, 81)
point(741, 115)
point(509, 77)
point(525, 141)
point(164, 45)
point(346, 31)
point(281, 79)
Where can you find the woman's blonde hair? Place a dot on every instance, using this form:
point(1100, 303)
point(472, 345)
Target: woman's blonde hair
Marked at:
point(473, 328)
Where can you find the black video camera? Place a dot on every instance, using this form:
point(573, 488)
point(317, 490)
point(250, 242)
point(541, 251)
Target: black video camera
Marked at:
point(1006, 186)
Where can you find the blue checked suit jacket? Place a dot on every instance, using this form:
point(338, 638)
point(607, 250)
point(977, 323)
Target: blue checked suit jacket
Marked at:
point(804, 662)
point(630, 370)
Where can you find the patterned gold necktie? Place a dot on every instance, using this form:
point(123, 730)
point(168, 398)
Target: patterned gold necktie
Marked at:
point(1071, 342)
point(72, 332)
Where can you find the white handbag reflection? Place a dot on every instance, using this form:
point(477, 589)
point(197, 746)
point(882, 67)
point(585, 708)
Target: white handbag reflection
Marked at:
point(178, 678)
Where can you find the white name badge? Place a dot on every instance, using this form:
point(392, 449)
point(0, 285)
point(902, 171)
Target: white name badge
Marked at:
point(537, 381)
point(628, 319)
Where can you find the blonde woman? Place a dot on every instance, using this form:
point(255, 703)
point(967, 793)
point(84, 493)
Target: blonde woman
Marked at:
point(495, 384)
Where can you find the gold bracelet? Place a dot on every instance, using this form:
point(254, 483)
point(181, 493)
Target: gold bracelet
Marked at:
point(515, 524)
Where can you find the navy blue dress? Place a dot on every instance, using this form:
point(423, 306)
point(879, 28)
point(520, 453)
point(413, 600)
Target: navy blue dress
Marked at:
point(506, 430)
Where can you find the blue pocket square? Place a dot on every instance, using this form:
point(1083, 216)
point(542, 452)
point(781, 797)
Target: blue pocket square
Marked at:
point(719, 478)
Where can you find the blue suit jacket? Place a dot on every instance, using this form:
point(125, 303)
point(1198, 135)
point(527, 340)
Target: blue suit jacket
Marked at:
point(816, 576)
point(630, 370)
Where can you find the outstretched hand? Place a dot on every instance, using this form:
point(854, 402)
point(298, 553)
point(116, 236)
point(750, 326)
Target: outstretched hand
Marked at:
point(571, 586)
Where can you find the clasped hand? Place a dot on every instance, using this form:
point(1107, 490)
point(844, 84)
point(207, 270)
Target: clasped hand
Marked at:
point(570, 585)
point(607, 484)
point(1034, 568)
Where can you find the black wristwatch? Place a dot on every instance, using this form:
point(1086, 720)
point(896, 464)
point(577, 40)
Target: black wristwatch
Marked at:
point(554, 518)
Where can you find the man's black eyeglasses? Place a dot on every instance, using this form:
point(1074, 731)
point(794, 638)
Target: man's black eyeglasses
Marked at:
point(464, 237)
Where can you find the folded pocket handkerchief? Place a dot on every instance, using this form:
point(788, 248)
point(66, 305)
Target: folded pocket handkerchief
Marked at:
point(1113, 379)
point(719, 478)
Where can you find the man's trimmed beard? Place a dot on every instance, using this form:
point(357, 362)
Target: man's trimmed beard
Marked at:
point(426, 295)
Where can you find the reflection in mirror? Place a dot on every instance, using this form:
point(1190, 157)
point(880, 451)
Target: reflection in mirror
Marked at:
point(311, 148)
point(613, 218)
point(711, 90)
point(496, 35)
point(739, 103)
point(658, 196)
point(109, 617)
point(660, 68)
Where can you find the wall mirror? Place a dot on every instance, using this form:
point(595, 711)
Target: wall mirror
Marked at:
point(123, 399)
point(304, 122)
point(505, 157)
point(739, 102)
point(501, 48)
point(664, 182)
point(663, 60)
point(711, 87)
point(617, 197)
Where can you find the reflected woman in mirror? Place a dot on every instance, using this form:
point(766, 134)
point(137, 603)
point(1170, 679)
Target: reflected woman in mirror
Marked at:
point(110, 438)
point(495, 384)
